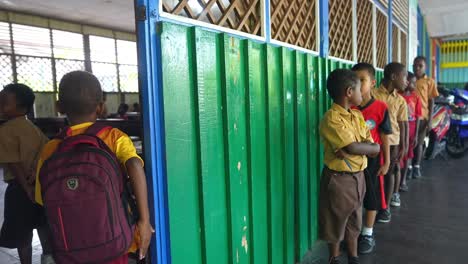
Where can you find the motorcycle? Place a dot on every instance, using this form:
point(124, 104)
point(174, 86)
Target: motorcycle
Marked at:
point(457, 143)
point(440, 125)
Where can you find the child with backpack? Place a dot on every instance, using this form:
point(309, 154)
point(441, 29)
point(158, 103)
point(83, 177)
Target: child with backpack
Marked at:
point(81, 180)
point(20, 144)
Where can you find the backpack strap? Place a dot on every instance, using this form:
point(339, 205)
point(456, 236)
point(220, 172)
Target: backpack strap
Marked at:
point(96, 129)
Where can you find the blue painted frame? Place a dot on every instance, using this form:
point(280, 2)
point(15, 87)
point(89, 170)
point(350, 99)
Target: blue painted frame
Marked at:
point(149, 68)
point(420, 31)
point(389, 31)
point(323, 28)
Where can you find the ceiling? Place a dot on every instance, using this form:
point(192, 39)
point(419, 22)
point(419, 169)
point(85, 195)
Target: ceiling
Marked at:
point(115, 14)
point(446, 18)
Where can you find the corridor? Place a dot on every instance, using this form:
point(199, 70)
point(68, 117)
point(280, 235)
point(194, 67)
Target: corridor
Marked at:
point(431, 225)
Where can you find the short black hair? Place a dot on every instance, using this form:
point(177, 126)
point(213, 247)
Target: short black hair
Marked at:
point(24, 95)
point(79, 93)
point(420, 58)
point(393, 68)
point(339, 80)
point(411, 75)
point(364, 66)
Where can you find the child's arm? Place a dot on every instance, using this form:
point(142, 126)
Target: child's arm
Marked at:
point(22, 177)
point(138, 180)
point(386, 153)
point(362, 148)
point(403, 138)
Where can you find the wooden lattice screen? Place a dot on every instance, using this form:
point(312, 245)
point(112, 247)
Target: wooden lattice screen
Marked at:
point(400, 11)
point(404, 48)
point(384, 3)
point(395, 43)
point(242, 15)
point(381, 40)
point(341, 29)
point(364, 27)
point(293, 22)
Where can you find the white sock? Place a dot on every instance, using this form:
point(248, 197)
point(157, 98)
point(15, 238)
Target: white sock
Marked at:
point(367, 231)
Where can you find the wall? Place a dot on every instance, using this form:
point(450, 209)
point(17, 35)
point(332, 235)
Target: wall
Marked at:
point(243, 153)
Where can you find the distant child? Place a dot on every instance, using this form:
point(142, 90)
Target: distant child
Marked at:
point(377, 118)
point(20, 144)
point(414, 117)
point(80, 98)
point(395, 75)
point(427, 90)
point(347, 141)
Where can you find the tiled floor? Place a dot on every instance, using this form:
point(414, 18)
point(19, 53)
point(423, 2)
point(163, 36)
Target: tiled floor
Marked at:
point(431, 225)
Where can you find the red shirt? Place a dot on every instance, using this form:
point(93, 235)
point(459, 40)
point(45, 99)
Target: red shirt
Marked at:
point(377, 119)
point(414, 106)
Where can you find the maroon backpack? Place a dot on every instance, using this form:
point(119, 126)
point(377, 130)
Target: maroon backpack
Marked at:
point(82, 187)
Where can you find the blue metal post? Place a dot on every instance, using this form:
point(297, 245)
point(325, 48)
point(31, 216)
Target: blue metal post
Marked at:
point(390, 33)
point(149, 69)
point(267, 15)
point(323, 28)
point(420, 32)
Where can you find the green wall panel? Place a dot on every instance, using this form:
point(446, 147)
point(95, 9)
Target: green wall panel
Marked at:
point(276, 156)
point(243, 150)
point(258, 151)
point(209, 47)
point(302, 163)
point(289, 175)
point(181, 144)
point(236, 133)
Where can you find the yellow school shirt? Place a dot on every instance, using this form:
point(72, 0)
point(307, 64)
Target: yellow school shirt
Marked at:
point(397, 110)
point(426, 89)
point(338, 129)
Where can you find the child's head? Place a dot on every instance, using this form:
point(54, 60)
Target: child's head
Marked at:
point(366, 74)
point(344, 85)
point(419, 66)
point(396, 74)
point(411, 82)
point(123, 109)
point(16, 100)
point(80, 96)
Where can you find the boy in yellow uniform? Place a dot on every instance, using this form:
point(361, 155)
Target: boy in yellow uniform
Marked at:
point(395, 76)
point(347, 141)
point(80, 98)
point(426, 89)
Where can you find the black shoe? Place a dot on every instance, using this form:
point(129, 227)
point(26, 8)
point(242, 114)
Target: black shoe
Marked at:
point(404, 188)
point(353, 260)
point(334, 260)
point(384, 216)
point(417, 173)
point(366, 244)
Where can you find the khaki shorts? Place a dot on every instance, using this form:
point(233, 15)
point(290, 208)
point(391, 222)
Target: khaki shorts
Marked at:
point(340, 206)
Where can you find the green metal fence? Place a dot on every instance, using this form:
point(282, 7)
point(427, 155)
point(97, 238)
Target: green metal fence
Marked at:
point(242, 147)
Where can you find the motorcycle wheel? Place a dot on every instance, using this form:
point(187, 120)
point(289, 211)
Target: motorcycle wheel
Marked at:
point(454, 145)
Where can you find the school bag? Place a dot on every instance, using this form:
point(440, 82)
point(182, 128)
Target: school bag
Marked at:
point(86, 200)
